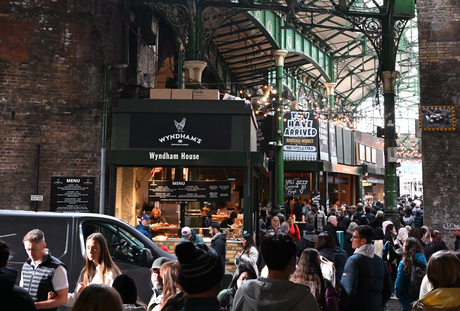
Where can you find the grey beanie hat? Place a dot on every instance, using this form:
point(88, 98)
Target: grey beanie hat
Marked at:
point(200, 267)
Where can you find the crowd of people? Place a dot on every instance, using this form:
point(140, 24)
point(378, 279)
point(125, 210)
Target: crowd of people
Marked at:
point(287, 271)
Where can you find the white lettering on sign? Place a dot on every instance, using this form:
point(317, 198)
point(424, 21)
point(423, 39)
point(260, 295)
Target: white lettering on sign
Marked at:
point(189, 156)
point(180, 136)
point(36, 197)
point(300, 126)
point(73, 180)
point(173, 156)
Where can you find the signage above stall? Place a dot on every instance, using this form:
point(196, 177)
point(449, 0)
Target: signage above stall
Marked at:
point(189, 191)
point(184, 131)
point(300, 136)
point(297, 186)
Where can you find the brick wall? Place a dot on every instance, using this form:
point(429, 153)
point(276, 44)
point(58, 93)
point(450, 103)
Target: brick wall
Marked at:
point(439, 35)
point(52, 59)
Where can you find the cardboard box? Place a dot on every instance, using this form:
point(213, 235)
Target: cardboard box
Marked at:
point(182, 94)
point(160, 93)
point(206, 94)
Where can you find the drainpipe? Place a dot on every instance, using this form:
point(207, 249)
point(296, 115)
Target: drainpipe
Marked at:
point(105, 100)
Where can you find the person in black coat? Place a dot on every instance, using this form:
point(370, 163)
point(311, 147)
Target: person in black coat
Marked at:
point(228, 222)
point(326, 247)
point(436, 245)
point(378, 221)
point(308, 240)
point(12, 297)
point(219, 241)
point(366, 280)
point(331, 227)
point(347, 239)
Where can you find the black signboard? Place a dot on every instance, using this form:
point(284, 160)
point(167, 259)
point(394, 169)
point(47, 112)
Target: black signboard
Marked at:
point(189, 191)
point(297, 186)
point(323, 140)
point(264, 133)
point(300, 136)
point(332, 143)
point(184, 131)
point(72, 194)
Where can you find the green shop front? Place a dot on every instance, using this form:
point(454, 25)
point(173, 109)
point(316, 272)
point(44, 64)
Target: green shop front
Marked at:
point(180, 156)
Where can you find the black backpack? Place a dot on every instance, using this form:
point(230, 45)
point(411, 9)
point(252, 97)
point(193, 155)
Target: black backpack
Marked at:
point(417, 272)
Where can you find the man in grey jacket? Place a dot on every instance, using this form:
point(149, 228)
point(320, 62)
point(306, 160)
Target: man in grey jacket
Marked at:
point(275, 292)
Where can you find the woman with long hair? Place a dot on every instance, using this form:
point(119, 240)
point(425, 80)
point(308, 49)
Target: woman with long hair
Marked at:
point(308, 272)
point(327, 248)
point(249, 255)
point(389, 254)
point(173, 296)
point(99, 267)
point(415, 233)
point(425, 235)
point(436, 244)
point(243, 273)
point(98, 297)
point(443, 272)
point(413, 254)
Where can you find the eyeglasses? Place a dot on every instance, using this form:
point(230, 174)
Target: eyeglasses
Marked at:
point(356, 237)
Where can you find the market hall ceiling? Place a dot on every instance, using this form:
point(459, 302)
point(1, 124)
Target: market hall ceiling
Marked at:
point(241, 36)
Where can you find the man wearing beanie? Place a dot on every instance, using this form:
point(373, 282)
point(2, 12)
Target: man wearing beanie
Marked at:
point(200, 274)
point(275, 292)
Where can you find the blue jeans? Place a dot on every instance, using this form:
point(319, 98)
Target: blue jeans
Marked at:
point(406, 307)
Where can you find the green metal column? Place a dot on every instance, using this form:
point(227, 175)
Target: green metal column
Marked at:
point(388, 77)
point(330, 89)
point(279, 128)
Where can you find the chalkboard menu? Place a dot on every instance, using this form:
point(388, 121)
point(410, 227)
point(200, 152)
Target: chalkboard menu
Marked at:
point(72, 194)
point(190, 191)
point(297, 186)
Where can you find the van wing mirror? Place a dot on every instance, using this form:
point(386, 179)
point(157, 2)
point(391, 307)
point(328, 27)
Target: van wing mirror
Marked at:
point(147, 257)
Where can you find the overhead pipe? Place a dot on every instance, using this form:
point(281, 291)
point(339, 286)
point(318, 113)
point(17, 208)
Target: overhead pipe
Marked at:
point(105, 99)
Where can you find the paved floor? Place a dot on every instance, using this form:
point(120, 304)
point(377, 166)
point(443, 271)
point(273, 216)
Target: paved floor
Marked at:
point(394, 305)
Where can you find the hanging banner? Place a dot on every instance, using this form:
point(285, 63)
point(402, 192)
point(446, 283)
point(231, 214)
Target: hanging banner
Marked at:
point(332, 143)
point(323, 140)
point(300, 136)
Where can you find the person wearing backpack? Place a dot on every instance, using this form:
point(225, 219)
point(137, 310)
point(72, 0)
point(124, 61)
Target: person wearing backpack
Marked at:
point(410, 273)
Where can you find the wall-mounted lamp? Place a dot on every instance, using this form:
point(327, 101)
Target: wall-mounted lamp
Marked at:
point(342, 191)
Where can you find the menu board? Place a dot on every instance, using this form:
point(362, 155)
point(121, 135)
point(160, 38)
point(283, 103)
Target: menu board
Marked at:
point(72, 194)
point(297, 186)
point(189, 191)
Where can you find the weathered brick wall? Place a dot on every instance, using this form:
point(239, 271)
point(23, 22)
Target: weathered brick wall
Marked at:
point(52, 59)
point(439, 35)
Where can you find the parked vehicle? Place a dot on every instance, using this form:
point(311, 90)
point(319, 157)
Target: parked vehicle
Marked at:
point(65, 236)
